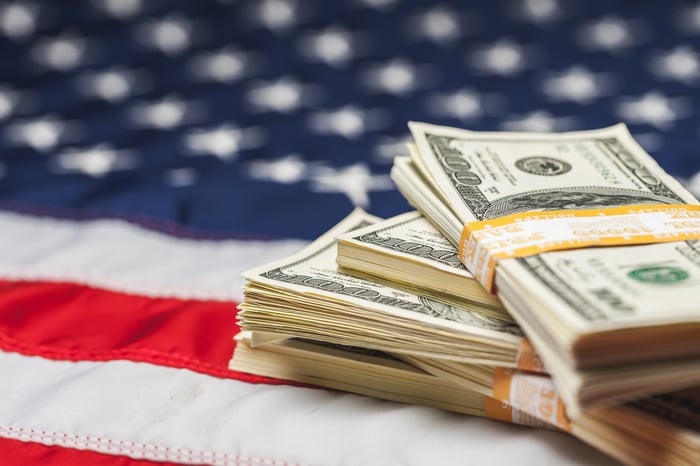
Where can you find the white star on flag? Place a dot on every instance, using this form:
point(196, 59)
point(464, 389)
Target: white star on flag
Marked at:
point(276, 15)
point(355, 181)
point(113, 85)
point(464, 104)
point(440, 24)
point(680, 64)
point(505, 58)
point(577, 84)
point(287, 170)
point(611, 34)
point(166, 113)
point(334, 46)
point(653, 108)
point(224, 66)
point(398, 77)
point(170, 35)
point(223, 141)
point(283, 95)
point(62, 53)
point(95, 161)
point(349, 121)
point(18, 20)
point(42, 134)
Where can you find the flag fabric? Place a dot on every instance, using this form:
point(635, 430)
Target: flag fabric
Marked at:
point(151, 151)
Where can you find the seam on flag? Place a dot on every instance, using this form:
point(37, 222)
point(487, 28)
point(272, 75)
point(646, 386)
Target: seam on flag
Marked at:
point(27, 452)
point(137, 450)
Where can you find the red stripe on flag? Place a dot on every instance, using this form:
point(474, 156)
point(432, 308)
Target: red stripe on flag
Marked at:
point(20, 452)
point(75, 322)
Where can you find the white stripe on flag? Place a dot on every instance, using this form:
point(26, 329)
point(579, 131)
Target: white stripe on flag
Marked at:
point(120, 256)
point(146, 411)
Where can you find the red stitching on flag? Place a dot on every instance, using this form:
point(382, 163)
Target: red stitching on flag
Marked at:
point(143, 450)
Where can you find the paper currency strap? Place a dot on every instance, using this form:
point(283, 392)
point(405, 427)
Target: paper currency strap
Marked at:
point(484, 242)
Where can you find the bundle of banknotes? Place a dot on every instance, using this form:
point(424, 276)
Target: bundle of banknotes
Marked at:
point(601, 341)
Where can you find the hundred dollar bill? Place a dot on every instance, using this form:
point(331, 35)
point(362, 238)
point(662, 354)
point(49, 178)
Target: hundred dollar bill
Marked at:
point(306, 296)
point(581, 311)
point(486, 175)
point(408, 252)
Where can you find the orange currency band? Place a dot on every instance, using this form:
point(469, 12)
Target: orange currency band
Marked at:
point(525, 398)
point(484, 242)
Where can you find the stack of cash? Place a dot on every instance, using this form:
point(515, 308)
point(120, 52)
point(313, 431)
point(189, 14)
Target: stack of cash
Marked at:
point(306, 296)
point(429, 256)
point(613, 312)
point(385, 308)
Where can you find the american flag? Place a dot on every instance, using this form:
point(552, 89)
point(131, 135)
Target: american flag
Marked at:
point(151, 150)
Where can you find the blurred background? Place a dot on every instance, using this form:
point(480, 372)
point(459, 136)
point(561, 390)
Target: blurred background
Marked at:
point(274, 118)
